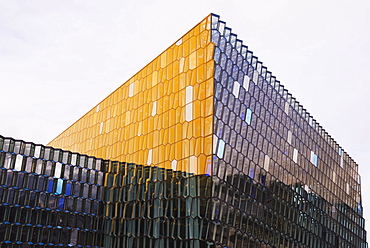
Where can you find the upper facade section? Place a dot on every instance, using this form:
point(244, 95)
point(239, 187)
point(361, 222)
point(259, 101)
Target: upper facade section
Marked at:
point(161, 116)
point(262, 131)
point(206, 105)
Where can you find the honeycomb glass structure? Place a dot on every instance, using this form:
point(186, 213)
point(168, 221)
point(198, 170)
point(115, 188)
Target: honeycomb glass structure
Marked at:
point(49, 197)
point(161, 116)
point(203, 147)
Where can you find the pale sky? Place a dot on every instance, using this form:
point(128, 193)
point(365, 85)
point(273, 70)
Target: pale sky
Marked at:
point(58, 59)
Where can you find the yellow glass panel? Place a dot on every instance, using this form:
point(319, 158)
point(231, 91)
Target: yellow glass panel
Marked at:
point(123, 127)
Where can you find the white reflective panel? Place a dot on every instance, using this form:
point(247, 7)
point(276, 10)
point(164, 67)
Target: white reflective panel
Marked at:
point(58, 170)
point(255, 76)
point(74, 159)
point(192, 60)
point(295, 155)
point(8, 160)
point(150, 157)
point(179, 42)
point(215, 138)
point(188, 94)
point(313, 158)
point(221, 27)
point(193, 166)
point(101, 127)
point(131, 90)
point(286, 107)
point(266, 164)
point(289, 137)
point(340, 151)
point(334, 177)
point(37, 151)
point(246, 82)
point(248, 116)
point(347, 188)
point(189, 112)
point(154, 108)
point(341, 161)
point(181, 64)
point(221, 148)
point(236, 88)
point(39, 166)
point(18, 162)
point(174, 164)
point(97, 108)
point(306, 188)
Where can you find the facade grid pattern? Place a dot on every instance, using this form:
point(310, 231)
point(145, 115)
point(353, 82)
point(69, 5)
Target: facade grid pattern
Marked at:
point(262, 132)
point(203, 147)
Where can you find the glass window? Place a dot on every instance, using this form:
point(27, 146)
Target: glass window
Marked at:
point(58, 170)
point(314, 158)
point(289, 137)
point(150, 157)
point(18, 162)
point(154, 108)
point(68, 189)
point(101, 127)
point(189, 112)
point(266, 164)
point(248, 116)
point(236, 88)
point(221, 148)
point(59, 188)
point(50, 184)
point(188, 94)
point(295, 155)
point(131, 90)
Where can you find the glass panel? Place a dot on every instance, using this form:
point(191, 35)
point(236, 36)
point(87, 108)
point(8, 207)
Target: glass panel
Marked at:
point(18, 162)
point(221, 148)
point(248, 116)
point(58, 170)
point(59, 188)
point(236, 88)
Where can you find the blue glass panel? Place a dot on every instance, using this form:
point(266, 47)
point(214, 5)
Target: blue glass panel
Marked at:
point(248, 116)
point(50, 185)
point(315, 160)
point(68, 188)
point(59, 186)
point(251, 173)
point(61, 204)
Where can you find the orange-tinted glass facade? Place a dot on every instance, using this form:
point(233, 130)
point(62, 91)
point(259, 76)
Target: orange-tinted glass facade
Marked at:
point(207, 136)
point(162, 116)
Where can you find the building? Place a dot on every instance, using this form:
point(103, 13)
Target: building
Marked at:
point(203, 147)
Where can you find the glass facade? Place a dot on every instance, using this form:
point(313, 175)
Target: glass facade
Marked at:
point(201, 148)
point(304, 190)
point(162, 116)
point(49, 197)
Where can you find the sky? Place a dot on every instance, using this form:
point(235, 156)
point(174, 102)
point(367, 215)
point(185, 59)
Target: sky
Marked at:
point(58, 59)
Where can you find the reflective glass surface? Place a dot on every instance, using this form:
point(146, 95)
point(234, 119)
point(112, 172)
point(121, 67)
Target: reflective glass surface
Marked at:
point(201, 148)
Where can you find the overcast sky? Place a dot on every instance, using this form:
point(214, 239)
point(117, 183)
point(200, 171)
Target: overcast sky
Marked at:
point(58, 59)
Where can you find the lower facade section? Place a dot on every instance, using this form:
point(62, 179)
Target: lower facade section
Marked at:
point(55, 198)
